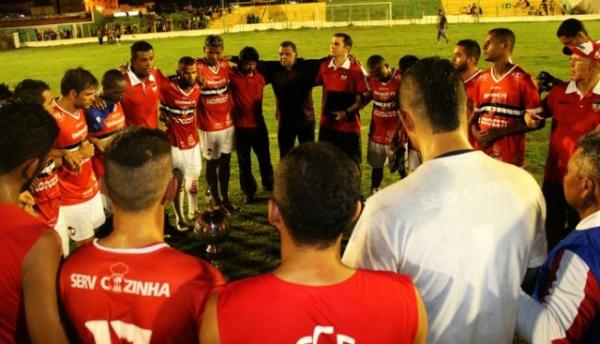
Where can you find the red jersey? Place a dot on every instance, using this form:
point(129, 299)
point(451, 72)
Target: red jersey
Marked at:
point(180, 108)
point(115, 295)
point(247, 93)
point(46, 193)
point(19, 232)
point(386, 110)
point(341, 85)
point(471, 96)
point(369, 307)
point(114, 121)
point(140, 101)
point(214, 110)
point(502, 103)
point(573, 115)
point(75, 188)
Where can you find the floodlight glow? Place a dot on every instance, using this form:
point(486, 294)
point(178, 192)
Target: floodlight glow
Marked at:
point(133, 13)
point(119, 14)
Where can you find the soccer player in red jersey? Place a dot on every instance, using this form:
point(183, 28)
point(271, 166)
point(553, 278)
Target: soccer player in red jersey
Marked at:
point(575, 110)
point(384, 87)
point(215, 120)
point(465, 58)
point(140, 101)
point(44, 190)
point(312, 297)
point(503, 94)
point(114, 289)
point(343, 87)
point(80, 200)
point(179, 95)
point(247, 86)
point(29, 250)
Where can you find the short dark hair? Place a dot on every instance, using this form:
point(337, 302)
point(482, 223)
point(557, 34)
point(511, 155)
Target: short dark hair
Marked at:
point(505, 34)
point(589, 158)
point(406, 61)
point(374, 60)
point(77, 79)
point(27, 131)
point(290, 44)
point(111, 77)
point(471, 47)
point(213, 41)
point(570, 27)
point(30, 91)
point(140, 46)
point(346, 38)
point(437, 90)
point(138, 168)
point(187, 61)
point(249, 54)
point(5, 94)
point(317, 188)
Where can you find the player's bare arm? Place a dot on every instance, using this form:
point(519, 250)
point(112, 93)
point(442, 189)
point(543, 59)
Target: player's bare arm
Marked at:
point(209, 329)
point(422, 327)
point(40, 269)
point(72, 160)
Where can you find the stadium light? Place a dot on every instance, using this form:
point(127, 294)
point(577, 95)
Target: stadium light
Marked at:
point(119, 14)
point(99, 8)
point(133, 13)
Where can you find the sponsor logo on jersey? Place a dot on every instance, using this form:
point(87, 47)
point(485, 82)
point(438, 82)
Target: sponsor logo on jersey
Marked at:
point(117, 282)
point(328, 331)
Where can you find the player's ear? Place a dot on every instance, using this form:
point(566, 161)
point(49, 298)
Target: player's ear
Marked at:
point(30, 168)
point(589, 188)
point(273, 214)
point(170, 192)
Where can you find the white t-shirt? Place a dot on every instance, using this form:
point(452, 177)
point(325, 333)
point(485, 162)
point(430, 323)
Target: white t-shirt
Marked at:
point(466, 228)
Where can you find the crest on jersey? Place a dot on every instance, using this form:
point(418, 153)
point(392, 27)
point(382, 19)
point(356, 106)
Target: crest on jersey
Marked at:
point(117, 276)
point(328, 331)
point(154, 87)
point(344, 77)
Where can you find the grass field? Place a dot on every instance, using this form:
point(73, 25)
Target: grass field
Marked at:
point(253, 246)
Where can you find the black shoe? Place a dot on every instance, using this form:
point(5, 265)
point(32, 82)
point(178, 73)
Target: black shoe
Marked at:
point(249, 199)
point(229, 207)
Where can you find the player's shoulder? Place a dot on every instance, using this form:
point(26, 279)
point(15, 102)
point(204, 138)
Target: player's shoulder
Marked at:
point(519, 73)
point(14, 217)
point(250, 285)
point(183, 262)
point(559, 89)
point(485, 76)
point(393, 279)
point(85, 255)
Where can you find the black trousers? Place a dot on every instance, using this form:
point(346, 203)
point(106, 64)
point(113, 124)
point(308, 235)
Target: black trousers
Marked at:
point(348, 142)
point(561, 218)
point(256, 139)
point(289, 130)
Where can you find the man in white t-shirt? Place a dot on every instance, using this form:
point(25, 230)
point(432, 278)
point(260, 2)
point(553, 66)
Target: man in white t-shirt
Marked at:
point(465, 226)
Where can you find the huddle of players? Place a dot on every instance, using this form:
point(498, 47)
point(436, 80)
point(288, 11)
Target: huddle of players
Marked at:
point(169, 308)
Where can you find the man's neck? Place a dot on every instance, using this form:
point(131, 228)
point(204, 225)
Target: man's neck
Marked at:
point(587, 85)
point(139, 76)
point(502, 67)
point(9, 188)
point(311, 266)
point(66, 104)
point(386, 77)
point(131, 230)
point(440, 144)
point(589, 210)
point(339, 60)
point(468, 73)
point(183, 85)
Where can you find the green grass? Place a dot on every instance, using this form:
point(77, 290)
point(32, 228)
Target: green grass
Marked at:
point(253, 246)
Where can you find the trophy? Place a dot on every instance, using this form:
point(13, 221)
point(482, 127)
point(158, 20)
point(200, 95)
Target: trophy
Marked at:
point(212, 227)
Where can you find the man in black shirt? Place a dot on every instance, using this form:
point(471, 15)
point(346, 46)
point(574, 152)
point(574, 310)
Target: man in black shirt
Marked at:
point(292, 79)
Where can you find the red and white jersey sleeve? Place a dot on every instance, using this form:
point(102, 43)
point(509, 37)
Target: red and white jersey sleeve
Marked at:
point(75, 187)
point(471, 100)
point(180, 108)
point(214, 108)
point(502, 102)
point(116, 295)
point(46, 193)
point(386, 110)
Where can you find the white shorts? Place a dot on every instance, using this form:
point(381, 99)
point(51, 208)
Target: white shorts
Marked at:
point(188, 161)
point(215, 143)
point(82, 219)
point(377, 154)
point(61, 228)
